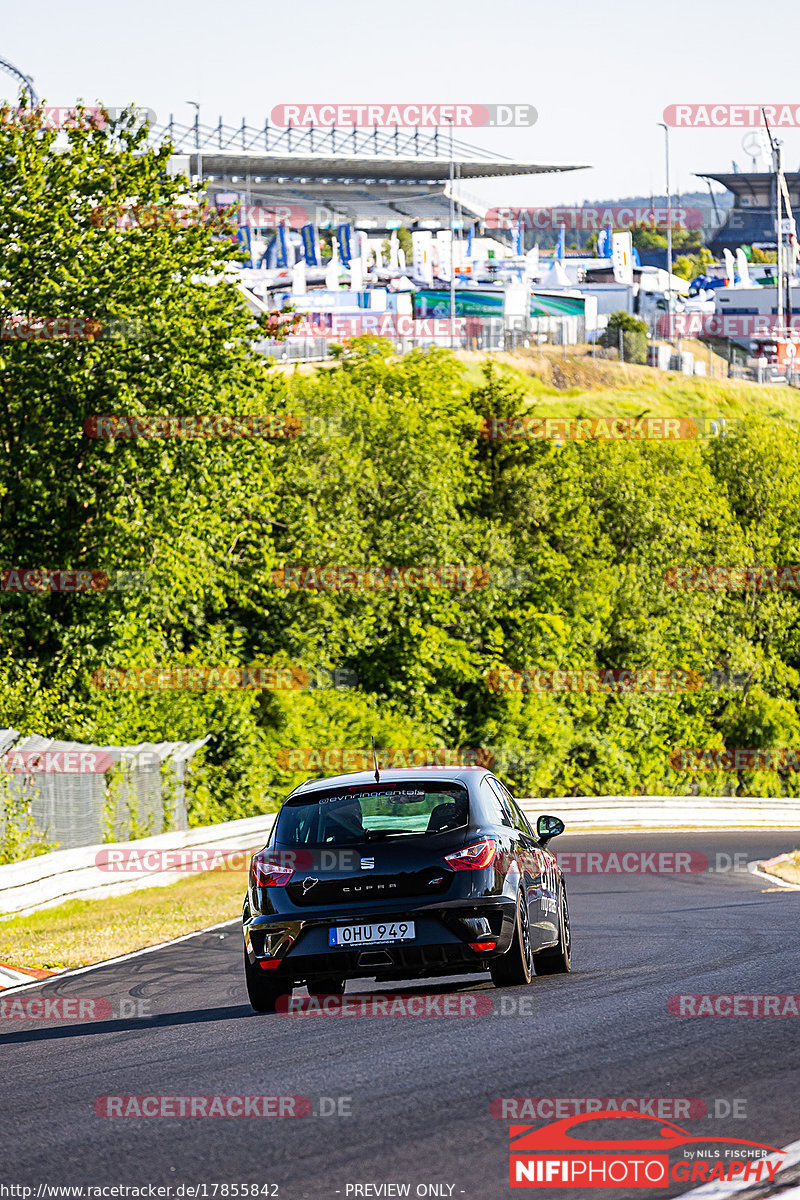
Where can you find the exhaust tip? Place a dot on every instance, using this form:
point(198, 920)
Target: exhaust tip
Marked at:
point(375, 958)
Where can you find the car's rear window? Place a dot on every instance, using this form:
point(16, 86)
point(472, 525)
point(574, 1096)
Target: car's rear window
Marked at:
point(372, 813)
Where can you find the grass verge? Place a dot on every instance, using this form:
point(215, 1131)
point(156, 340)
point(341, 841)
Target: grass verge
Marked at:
point(785, 866)
point(581, 386)
point(81, 932)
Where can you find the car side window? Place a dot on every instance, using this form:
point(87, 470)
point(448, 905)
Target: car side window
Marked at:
point(495, 803)
point(517, 815)
point(522, 821)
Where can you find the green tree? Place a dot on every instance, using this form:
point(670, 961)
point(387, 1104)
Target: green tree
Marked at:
point(758, 255)
point(634, 336)
point(191, 514)
point(683, 240)
point(689, 266)
point(405, 244)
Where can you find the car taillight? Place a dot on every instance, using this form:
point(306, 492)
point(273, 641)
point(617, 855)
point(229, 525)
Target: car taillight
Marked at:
point(474, 857)
point(272, 870)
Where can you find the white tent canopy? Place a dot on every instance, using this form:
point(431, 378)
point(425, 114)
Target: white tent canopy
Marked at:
point(557, 277)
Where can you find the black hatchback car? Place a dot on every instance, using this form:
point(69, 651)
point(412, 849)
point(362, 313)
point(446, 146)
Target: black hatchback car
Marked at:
point(402, 874)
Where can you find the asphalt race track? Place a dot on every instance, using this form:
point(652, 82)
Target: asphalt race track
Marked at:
point(419, 1089)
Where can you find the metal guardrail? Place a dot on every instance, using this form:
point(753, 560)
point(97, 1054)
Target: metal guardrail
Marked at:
point(307, 350)
point(74, 874)
point(584, 814)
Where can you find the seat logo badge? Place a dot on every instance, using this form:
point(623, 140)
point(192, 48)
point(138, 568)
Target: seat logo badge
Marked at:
point(308, 883)
point(368, 864)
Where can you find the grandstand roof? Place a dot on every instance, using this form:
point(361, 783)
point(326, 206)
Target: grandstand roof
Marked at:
point(308, 168)
point(751, 221)
point(355, 154)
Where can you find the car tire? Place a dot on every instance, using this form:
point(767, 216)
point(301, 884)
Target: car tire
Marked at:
point(557, 960)
point(332, 986)
point(515, 967)
point(264, 993)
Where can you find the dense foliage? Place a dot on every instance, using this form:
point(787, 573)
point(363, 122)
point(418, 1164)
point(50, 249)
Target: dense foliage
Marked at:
point(390, 465)
point(634, 336)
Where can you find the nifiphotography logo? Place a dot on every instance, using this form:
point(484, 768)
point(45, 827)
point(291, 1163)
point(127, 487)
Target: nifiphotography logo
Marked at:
point(552, 1156)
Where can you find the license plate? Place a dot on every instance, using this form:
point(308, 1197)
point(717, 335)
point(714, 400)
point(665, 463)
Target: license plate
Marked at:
point(371, 935)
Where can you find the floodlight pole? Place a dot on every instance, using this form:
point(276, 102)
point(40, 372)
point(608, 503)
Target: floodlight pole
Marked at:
point(669, 226)
point(452, 244)
point(778, 161)
point(780, 184)
point(197, 138)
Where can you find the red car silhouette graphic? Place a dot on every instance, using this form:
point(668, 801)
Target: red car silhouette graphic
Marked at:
point(556, 1137)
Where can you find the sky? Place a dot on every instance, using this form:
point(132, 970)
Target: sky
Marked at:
point(599, 74)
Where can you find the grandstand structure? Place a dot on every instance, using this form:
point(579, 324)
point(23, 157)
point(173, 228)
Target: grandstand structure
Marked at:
point(375, 178)
point(751, 221)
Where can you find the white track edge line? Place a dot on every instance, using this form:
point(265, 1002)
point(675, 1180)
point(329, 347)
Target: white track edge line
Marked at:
point(107, 962)
point(755, 869)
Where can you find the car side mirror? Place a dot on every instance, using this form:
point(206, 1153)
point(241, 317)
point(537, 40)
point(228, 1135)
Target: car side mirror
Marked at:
point(549, 827)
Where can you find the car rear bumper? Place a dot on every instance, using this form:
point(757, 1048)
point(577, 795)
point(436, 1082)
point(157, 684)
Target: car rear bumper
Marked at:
point(441, 944)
